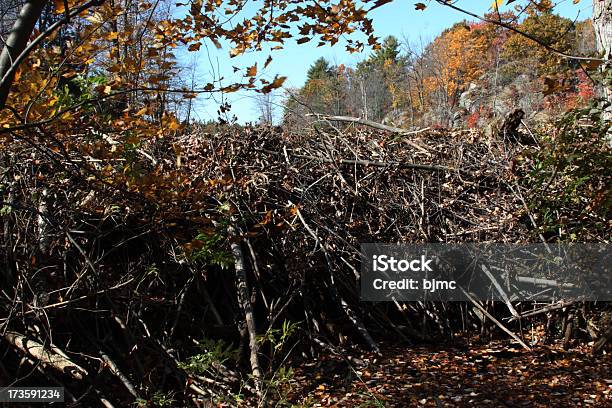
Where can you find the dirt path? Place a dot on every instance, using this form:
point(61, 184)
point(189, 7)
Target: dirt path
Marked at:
point(495, 375)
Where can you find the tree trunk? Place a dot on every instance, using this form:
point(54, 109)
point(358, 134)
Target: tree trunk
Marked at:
point(602, 23)
point(16, 43)
point(245, 302)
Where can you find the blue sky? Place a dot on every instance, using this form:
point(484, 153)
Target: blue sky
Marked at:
point(398, 18)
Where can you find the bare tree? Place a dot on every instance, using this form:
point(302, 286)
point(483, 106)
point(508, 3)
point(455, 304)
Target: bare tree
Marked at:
point(265, 107)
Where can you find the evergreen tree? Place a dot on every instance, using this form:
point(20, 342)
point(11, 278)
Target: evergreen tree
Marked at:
point(389, 54)
point(320, 69)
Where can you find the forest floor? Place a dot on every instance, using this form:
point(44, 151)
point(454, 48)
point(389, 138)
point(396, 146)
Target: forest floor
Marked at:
point(497, 374)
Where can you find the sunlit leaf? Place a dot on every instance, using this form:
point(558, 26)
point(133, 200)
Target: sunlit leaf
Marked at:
point(59, 6)
point(95, 18)
point(496, 4)
point(252, 71)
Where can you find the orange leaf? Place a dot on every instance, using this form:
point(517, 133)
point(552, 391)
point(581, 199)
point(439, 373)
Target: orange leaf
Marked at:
point(593, 64)
point(252, 71)
point(266, 219)
point(278, 82)
point(194, 46)
point(420, 6)
point(59, 6)
point(174, 125)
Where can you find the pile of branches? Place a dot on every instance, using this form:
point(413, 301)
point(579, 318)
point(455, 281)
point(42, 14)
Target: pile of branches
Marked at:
point(242, 250)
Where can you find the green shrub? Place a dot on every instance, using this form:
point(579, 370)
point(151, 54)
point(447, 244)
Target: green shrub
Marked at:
point(212, 352)
point(569, 182)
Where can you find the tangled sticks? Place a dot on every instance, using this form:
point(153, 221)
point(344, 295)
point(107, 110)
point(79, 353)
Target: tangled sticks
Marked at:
point(138, 295)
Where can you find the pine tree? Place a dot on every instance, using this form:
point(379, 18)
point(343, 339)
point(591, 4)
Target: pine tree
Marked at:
point(320, 69)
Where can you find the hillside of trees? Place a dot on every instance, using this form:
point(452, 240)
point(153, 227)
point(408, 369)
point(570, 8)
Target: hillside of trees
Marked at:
point(471, 75)
point(151, 260)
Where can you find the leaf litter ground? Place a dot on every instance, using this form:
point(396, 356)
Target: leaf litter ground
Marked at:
point(494, 375)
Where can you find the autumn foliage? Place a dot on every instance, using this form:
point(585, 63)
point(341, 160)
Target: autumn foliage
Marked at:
point(469, 75)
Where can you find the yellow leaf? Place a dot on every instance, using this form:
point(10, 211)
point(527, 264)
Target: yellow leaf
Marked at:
point(141, 112)
point(234, 52)
point(496, 4)
point(113, 35)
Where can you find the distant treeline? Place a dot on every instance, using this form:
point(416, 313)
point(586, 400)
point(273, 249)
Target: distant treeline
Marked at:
point(468, 75)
